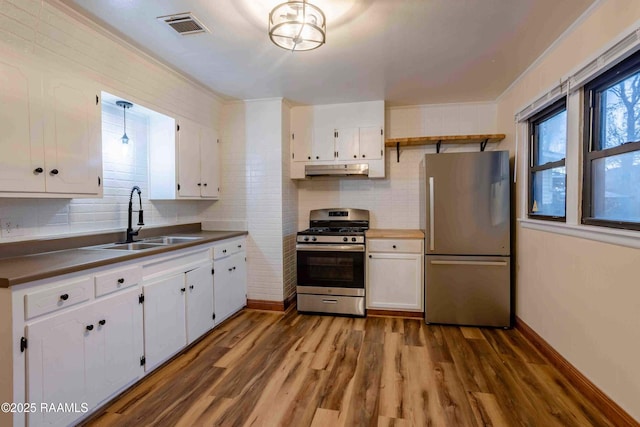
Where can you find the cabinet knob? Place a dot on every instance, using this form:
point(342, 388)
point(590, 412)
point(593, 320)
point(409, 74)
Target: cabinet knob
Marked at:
point(183, 289)
point(224, 251)
point(317, 157)
point(354, 156)
point(363, 156)
point(308, 157)
point(89, 327)
point(102, 322)
point(370, 256)
point(54, 172)
point(234, 268)
point(239, 246)
point(199, 184)
point(230, 269)
point(38, 170)
point(191, 287)
point(121, 280)
point(205, 184)
point(394, 246)
point(64, 297)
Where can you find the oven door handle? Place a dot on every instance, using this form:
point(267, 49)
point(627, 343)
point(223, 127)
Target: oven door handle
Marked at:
point(330, 248)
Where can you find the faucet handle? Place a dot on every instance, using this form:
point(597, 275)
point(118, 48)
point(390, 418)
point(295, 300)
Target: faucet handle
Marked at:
point(140, 217)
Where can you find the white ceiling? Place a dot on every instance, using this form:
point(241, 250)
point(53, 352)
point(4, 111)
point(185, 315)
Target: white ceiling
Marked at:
point(406, 52)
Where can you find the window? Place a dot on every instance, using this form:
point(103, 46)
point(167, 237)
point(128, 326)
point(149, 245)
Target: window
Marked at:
point(611, 187)
point(547, 174)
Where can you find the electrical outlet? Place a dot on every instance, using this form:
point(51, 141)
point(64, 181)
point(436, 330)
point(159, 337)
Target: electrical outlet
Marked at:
point(11, 227)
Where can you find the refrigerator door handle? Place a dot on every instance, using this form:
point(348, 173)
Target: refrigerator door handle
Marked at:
point(481, 263)
point(431, 219)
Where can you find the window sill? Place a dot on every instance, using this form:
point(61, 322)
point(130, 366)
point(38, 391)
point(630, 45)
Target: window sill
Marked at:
point(613, 236)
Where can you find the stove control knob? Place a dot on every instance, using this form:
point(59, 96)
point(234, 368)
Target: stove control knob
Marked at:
point(306, 239)
point(313, 239)
point(345, 239)
point(353, 239)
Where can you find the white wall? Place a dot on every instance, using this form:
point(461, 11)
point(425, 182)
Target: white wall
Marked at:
point(57, 36)
point(393, 201)
point(580, 295)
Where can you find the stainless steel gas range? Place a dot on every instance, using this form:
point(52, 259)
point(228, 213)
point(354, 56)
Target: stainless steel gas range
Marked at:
point(331, 262)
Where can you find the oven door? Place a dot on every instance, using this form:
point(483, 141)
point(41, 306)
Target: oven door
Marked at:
point(331, 266)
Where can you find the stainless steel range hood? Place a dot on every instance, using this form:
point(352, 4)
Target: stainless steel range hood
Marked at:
point(360, 169)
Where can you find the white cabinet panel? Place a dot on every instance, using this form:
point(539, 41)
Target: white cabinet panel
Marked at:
point(21, 144)
point(199, 302)
point(395, 281)
point(189, 159)
point(209, 163)
point(301, 133)
point(371, 142)
point(323, 146)
point(347, 143)
point(164, 318)
point(230, 282)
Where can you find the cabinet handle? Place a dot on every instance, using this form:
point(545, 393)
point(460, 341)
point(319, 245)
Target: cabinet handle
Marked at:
point(102, 322)
point(183, 290)
point(89, 327)
point(54, 172)
point(121, 280)
point(38, 170)
point(64, 297)
point(191, 287)
point(199, 184)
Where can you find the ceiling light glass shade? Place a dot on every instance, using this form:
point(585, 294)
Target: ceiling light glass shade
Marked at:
point(297, 25)
point(125, 105)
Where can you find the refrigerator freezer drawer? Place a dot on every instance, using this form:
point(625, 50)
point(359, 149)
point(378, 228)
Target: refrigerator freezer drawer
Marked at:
point(468, 290)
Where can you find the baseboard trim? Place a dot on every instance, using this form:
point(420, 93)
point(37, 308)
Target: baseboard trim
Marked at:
point(395, 313)
point(604, 403)
point(259, 304)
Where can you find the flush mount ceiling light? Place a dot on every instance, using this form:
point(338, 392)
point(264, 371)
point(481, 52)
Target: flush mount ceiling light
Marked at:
point(297, 25)
point(124, 105)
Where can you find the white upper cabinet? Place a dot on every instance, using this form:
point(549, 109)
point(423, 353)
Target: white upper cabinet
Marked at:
point(72, 135)
point(338, 134)
point(51, 140)
point(185, 163)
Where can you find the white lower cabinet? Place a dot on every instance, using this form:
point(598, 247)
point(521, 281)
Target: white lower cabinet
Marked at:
point(230, 290)
point(394, 275)
point(82, 356)
point(164, 318)
point(199, 302)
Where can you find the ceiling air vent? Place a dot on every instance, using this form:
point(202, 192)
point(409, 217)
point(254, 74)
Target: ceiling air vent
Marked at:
point(184, 23)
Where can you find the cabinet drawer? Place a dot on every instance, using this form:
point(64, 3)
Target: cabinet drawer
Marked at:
point(58, 297)
point(395, 245)
point(228, 248)
point(115, 280)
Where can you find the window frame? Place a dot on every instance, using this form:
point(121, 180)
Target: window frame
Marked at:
point(534, 143)
point(592, 134)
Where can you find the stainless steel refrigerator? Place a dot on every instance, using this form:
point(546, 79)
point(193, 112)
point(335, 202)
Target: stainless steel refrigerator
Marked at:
point(465, 214)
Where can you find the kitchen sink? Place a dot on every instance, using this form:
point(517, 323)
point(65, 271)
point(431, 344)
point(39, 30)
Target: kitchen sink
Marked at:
point(168, 240)
point(136, 246)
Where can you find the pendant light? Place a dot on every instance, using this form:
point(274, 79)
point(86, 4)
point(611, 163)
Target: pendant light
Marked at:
point(124, 105)
point(297, 25)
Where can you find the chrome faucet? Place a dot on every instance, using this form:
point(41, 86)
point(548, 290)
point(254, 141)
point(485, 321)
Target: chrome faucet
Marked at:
point(130, 232)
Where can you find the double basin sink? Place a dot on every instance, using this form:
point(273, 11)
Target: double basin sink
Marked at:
point(150, 243)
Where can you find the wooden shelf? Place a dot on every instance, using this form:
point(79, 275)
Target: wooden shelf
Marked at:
point(449, 139)
point(483, 140)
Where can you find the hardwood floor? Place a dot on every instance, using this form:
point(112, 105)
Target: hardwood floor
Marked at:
point(274, 369)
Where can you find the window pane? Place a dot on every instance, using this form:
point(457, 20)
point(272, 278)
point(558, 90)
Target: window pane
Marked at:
point(552, 138)
point(549, 190)
point(620, 106)
point(616, 193)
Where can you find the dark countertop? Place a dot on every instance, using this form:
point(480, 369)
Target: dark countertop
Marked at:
point(19, 269)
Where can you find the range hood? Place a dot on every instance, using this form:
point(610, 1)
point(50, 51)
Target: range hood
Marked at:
point(360, 169)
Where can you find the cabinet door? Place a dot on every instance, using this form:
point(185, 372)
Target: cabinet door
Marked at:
point(347, 143)
point(113, 358)
point(21, 146)
point(72, 136)
point(164, 319)
point(301, 133)
point(223, 288)
point(371, 143)
point(210, 163)
point(189, 159)
point(394, 281)
point(323, 146)
point(56, 365)
point(199, 302)
point(239, 299)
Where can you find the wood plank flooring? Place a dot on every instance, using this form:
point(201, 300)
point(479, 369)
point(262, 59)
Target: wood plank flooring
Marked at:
point(274, 369)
